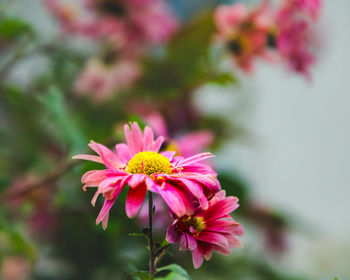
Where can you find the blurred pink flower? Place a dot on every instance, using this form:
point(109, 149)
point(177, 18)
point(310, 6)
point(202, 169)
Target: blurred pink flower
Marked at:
point(133, 21)
point(294, 40)
point(101, 80)
point(208, 230)
point(15, 268)
point(244, 32)
point(181, 182)
point(185, 145)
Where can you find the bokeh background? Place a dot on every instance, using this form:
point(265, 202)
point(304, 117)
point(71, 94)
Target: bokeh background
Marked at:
point(294, 157)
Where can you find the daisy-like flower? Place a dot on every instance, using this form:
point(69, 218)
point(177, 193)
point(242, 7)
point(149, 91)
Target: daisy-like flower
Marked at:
point(208, 230)
point(183, 183)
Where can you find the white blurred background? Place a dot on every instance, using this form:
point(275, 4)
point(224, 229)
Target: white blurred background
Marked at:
point(299, 159)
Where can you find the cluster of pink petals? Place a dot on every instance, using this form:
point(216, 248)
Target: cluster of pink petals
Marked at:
point(282, 34)
point(246, 29)
point(185, 145)
point(190, 183)
point(294, 41)
point(217, 231)
point(101, 80)
point(129, 28)
point(150, 21)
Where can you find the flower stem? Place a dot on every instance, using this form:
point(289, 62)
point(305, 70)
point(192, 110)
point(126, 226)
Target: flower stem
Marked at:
point(152, 269)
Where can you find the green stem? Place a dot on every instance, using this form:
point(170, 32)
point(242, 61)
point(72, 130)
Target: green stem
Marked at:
point(152, 269)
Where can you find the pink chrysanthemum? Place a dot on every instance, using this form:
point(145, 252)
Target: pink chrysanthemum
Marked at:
point(208, 230)
point(183, 183)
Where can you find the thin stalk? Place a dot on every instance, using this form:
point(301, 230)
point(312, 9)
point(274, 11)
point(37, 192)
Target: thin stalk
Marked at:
point(152, 268)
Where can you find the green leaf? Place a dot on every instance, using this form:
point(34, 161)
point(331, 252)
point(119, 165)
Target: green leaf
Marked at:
point(11, 28)
point(65, 128)
point(171, 276)
point(223, 78)
point(175, 268)
point(185, 63)
point(137, 275)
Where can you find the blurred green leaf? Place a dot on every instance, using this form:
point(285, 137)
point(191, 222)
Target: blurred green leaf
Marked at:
point(12, 242)
point(138, 275)
point(185, 63)
point(54, 103)
point(175, 268)
point(172, 276)
point(11, 28)
point(223, 78)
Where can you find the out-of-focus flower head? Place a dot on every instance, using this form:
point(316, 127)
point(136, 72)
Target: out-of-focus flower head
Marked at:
point(294, 40)
point(282, 34)
point(15, 268)
point(244, 31)
point(208, 230)
point(273, 227)
point(101, 79)
point(185, 145)
point(183, 183)
point(145, 22)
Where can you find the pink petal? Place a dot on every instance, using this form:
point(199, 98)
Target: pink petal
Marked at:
point(212, 237)
point(136, 179)
point(172, 235)
point(134, 200)
point(93, 177)
point(183, 242)
point(123, 152)
point(93, 201)
point(197, 192)
point(172, 198)
point(148, 139)
point(194, 159)
point(168, 154)
point(157, 144)
point(105, 210)
point(129, 139)
point(197, 258)
point(192, 243)
point(221, 208)
point(88, 157)
point(137, 137)
point(109, 158)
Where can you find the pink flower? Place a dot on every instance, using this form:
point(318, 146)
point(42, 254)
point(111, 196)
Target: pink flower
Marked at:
point(244, 31)
point(294, 39)
point(134, 22)
point(101, 80)
point(185, 145)
point(182, 182)
point(208, 230)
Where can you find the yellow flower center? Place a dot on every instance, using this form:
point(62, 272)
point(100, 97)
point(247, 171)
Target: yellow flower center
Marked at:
point(186, 222)
point(149, 163)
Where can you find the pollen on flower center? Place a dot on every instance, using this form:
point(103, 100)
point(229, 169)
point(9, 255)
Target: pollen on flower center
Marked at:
point(191, 223)
point(149, 163)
